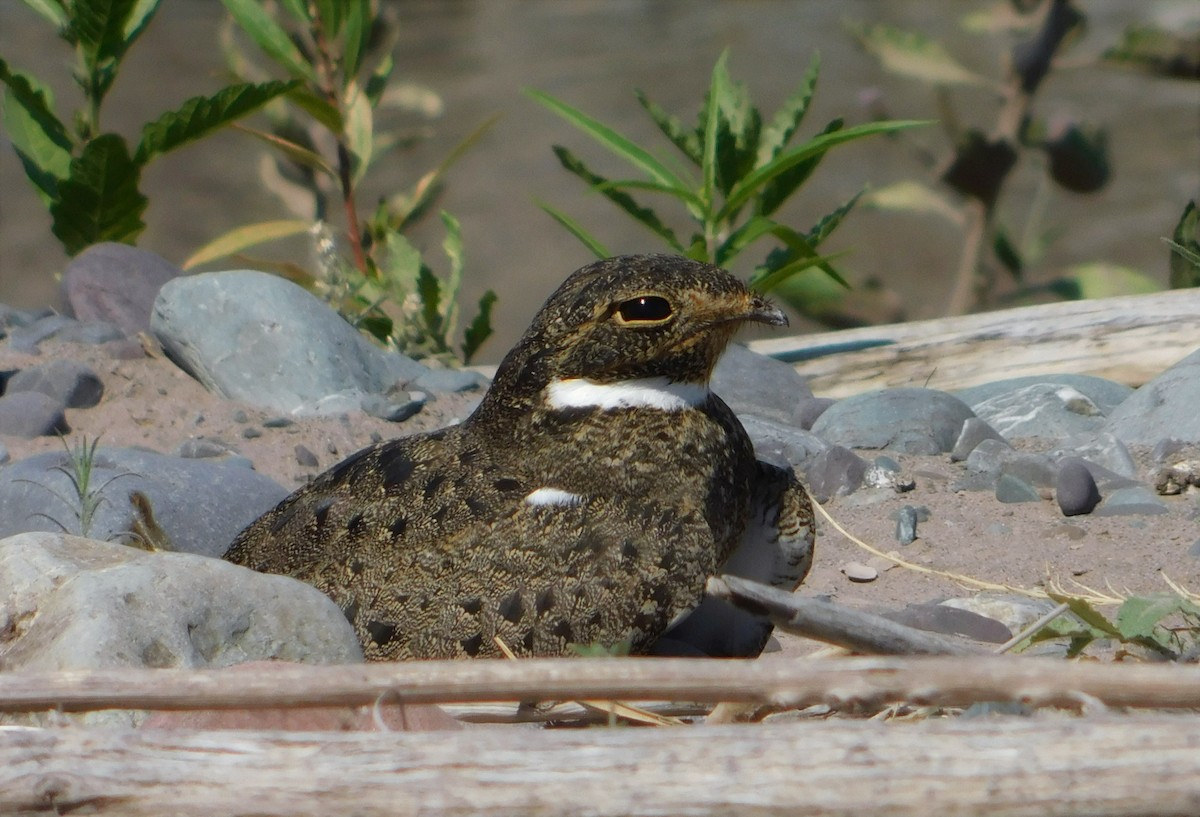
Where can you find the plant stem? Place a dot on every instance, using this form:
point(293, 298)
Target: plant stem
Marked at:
point(965, 294)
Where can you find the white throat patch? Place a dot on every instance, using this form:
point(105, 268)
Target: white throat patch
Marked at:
point(645, 392)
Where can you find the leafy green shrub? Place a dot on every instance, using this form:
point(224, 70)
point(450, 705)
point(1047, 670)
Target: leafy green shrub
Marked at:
point(88, 178)
point(327, 133)
point(746, 172)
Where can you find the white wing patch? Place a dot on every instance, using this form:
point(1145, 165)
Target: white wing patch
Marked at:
point(646, 392)
point(552, 496)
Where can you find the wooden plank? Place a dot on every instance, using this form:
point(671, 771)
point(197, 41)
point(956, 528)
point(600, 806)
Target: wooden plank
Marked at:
point(997, 767)
point(786, 681)
point(1129, 339)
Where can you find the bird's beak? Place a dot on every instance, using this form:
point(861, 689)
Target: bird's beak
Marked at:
point(763, 311)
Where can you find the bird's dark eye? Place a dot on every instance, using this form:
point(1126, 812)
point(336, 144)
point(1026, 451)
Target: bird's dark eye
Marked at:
point(645, 309)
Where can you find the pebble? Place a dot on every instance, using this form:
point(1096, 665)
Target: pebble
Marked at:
point(1131, 501)
point(115, 283)
point(73, 384)
point(29, 414)
point(264, 341)
point(859, 572)
point(1012, 489)
point(906, 524)
point(1075, 489)
point(393, 408)
point(906, 420)
point(199, 448)
point(305, 457)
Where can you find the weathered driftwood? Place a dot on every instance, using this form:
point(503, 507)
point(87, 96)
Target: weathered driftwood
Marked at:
point(1112, 765)
point(1129, 339)
point(783, 681)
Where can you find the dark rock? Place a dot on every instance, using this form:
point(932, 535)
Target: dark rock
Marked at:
point(1075, 489)
point(837, 471)
point(4, 455)
point(199, 504)
point(69, 382)
point(257, 338)
point(1011, 489)
point(1163, 408)
point(906, 525)
point(278, 422)
point(974, 431)
point(940, 618)
point(908, 420)
point(30, 414)
point(305, 457)
point(115, 283)
point(393, 408)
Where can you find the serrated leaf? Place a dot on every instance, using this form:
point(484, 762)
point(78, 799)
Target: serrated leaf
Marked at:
point(36, 133)
point(200, 116)
point(788, 159)
point(830, 222)
point(98, 27)
point(912, 197)
point(1185, 245)
point(1140, 616)
point(787, 119)
point(741, 238)
point(643, 215)
point(576, 229)
point(610, 139)
point(99, 200)
point(402, 262)
point(1085, 612)
point(912, 54)
point(779, 189)
point(242, 238)
point(429, 290)
point(480, 328)
point(683, 138)
point(261, 27)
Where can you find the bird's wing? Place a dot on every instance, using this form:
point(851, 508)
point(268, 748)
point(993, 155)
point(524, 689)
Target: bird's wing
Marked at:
point(776, 548)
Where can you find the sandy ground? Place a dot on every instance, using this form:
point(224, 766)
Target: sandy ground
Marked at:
point(149, 402)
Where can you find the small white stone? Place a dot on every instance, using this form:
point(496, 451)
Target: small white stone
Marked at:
point(859, 572)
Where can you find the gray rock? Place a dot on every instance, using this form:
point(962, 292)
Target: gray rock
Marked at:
point(837, 471)
point(26, 338)
point(1163, 408)
point(1106, 394)
point(782, 444)
point(943, 618)
point(1012, 489)
point(305, 456)
point(906, 525)
point(995, 458)
point(908, 420)
point(71, 603)
point(1041, 410)
point(10, 316)
point(809, 410)
point(90, 332)
point(70, 382)
point(974, 431)
point(1133, 501)
point(201, 448)
point(757, 384)
point(1102, 449)
point(450, 380)
point(257, 338)
point(395, 408)
point(200, 504)
point(1017, 613)
point(30, 414)
point(988, 455)
point(4, 455)
point(115, 283)
point(1075, 489)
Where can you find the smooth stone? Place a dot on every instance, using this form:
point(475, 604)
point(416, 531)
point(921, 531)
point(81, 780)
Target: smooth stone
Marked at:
point(948, 620)
point(115, 283)
point(11, 316)
point(974, 431)
point(988, 455)
point(394, 409)
point(1163, 408)
point(859, 572)
point(1133, 501)
point(907, 420)
point(1041, 410)
point(26, 338)
point(29, 414)
point(68, 603)
point(753, 383)
point(836, 471)
point(1075, 489)
point(782, 444)
point(278, 422)
point(199, 504)
point(259, 339)
point(1166, 449)
point(1104, 393)
point(1012, 489)
point(906, 524)
point(1017, 613)
point(70, 382)
point(305, 456)
point(809, 410)
point(1102, 449)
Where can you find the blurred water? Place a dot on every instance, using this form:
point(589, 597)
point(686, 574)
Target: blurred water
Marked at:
point(479, 54)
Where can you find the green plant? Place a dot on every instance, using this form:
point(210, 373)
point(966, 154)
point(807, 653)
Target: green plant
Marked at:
point(85, 498)
point(1185, 249)
point(746, 171)
point(87, 177)
point(1072, 156)
point(1167, 624)
point(326, 134)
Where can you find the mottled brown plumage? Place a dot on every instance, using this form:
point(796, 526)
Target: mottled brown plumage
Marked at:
point(585, 501)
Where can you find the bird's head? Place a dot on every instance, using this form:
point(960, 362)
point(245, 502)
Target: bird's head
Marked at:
point(637, 319)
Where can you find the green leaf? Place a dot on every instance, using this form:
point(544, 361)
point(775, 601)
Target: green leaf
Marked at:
point(360, 131)
point(912, 54)
point(402, 262)
point(329, 13)
point(643, 215)
point(774, 277)
point(52, 10)
point(452, 245)
point(1102, 280)
point(261, 27)
point(576, 229)
point(143, 12)
point(242, 238)
point(1140, 616)
point(741, 238)
point(1185, 245)
point(202, 115)
point(99, 200)
point(783, 125)
point(37, 135)
point(480, 328)
point(317, 107)
point(738, 128)
point(830, 222)
point(357, 33)
point(98, 27)
point(718, 89)
point(1007, 253)
point(747, 187)
point(297, 153)
point(378, 80)
point(687, 140)
point(1086, 613)
point(610, 139)
point(798, 248)
point(1157, 50)
point(429, 290)
point(776, 191)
